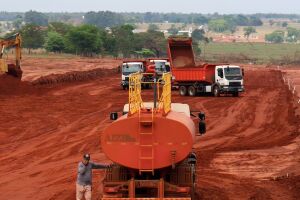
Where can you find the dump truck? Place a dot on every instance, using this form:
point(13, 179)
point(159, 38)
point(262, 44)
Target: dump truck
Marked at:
point(13, 69)
point(192, 79)
point(158, 65)
point(154, 67)
point(151, 146)
point(149, 68)
point(129, 67)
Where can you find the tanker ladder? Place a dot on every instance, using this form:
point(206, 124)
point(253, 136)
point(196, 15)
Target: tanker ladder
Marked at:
point(146, 154)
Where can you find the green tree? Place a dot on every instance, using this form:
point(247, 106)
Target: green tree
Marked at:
point(54, 42)
point(255, 21)
point(145, 53)
point(199, 19)
point(293, 34)
point(33, 36)
point(199, 35)
point(153, 27)
point(275, 37)
point(84, 40)
point(110, 45)
point(59, 27)
point(284, 24)
point(153, 40)
point(221, 25)
point(17, 23)
point(37, 18)
point(104, 19)
point(173, 30)
point(124, 39)
point(248, 31)
point(196, 48)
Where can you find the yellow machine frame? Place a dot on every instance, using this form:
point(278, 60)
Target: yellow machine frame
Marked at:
point(13, 41)
point(135, 93)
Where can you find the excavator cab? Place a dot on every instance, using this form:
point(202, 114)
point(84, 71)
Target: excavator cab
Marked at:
point(13, 69)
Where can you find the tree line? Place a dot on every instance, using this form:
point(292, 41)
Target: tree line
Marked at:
point(109, 19)
point(292, 35)
point(90, 40)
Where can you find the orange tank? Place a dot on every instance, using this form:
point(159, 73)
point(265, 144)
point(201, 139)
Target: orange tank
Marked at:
point(150, 141)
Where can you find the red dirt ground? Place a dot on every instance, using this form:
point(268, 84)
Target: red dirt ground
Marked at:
point(250, 151)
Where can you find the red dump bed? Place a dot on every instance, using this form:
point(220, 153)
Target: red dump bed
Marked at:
point(180, 52)
point(202, 73)
point(184, 68)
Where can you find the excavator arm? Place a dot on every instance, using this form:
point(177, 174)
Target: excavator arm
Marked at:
point(11, 69)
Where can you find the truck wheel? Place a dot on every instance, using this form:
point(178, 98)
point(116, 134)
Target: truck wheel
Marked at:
point(182, 91)
point(216, 91)
point(192, 91)
point(235, 94)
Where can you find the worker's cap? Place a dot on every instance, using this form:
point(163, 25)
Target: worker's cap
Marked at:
point(86, 156)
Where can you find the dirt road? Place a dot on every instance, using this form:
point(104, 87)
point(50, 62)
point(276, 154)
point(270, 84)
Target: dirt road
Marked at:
point(250, 151)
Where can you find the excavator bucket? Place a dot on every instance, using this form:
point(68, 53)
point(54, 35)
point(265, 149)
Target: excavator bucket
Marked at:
point(15, 71)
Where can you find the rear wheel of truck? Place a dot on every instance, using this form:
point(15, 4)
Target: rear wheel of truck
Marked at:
point(192, 91)
point(182, 91)
point(216, 91)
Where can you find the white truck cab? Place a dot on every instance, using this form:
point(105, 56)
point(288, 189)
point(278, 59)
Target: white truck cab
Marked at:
point(161, 66)
point(129, 68)
point(229, 79)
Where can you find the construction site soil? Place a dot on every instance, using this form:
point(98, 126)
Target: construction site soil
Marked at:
point(250, 150)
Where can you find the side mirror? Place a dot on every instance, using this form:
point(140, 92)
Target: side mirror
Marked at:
point(202, 127)
point(113, 116)
point(243, 72)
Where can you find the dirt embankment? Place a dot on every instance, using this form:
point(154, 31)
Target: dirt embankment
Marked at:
point(250, 150)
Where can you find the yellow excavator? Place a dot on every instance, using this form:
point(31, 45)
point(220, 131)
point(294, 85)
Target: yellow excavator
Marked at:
point(11, 68)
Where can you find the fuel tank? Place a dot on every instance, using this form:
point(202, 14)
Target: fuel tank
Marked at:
point(148, 140)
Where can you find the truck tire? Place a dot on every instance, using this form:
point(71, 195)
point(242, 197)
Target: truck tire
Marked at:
point(182, 90)
point(216, 91)
point(192, 91)
point(235, 94)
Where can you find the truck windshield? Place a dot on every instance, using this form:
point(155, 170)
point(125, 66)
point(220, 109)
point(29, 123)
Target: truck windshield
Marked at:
point(233, 73)
point(131, 68)
point(160, 66)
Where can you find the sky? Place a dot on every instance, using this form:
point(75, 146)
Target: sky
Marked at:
point(183, 6)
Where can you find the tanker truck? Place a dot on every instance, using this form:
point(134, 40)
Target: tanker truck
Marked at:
point(151, 146)
point(192, 79)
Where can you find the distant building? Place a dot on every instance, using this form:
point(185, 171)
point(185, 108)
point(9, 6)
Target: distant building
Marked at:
point(186, 32)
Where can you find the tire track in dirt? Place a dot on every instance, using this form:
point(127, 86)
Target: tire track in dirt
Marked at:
point(249, 141)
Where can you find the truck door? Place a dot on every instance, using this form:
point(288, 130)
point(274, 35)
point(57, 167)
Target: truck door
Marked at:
point(220, 76)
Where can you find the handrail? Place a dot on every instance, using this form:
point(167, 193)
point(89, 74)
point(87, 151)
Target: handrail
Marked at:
point(135, 98)
point(165, 98)
point(135, 89)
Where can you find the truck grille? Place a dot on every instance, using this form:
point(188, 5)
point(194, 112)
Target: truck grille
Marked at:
point(234, 83)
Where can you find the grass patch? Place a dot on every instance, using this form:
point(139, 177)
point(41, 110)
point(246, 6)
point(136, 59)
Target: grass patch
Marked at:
point(249, 52)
